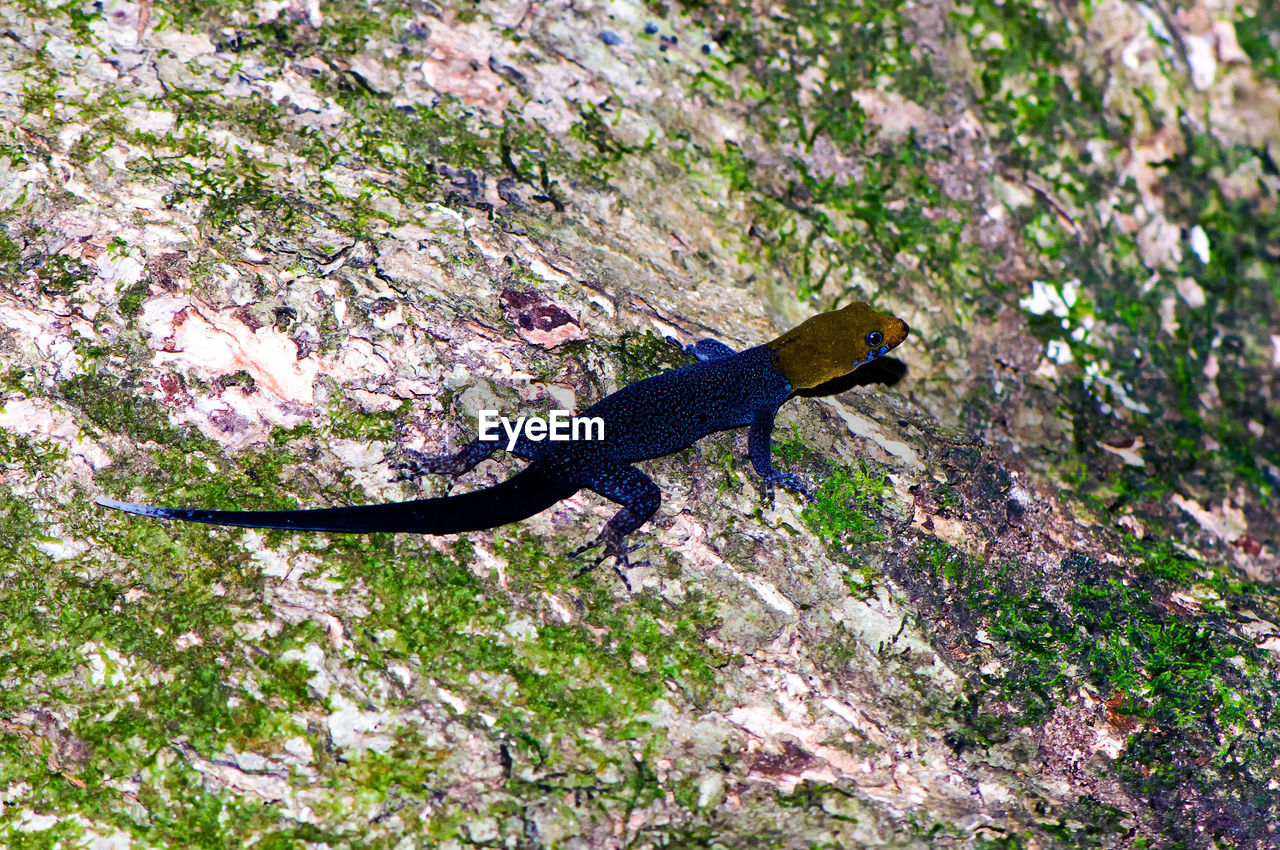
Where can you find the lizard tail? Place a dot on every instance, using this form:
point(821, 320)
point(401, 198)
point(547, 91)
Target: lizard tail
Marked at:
point(530, 491)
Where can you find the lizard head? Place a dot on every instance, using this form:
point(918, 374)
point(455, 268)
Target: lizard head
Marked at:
point(833, 344)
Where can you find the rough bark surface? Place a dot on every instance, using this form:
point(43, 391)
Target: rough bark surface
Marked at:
point(250, 252)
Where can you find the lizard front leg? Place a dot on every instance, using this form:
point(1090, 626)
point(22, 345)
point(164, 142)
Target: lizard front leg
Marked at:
point(760, 448)
point(704, 349)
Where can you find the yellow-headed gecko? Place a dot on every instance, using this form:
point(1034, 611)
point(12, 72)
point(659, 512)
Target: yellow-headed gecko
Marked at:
point(648, 419)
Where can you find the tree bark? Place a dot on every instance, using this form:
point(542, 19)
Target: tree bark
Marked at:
point(252, 253)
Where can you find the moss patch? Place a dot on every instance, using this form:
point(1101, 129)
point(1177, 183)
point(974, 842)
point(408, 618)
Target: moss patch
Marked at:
point(1192, 698)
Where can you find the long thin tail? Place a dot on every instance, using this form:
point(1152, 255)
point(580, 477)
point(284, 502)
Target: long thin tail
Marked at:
point(530, 491)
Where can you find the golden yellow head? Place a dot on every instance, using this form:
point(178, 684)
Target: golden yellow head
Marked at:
point(833, 344)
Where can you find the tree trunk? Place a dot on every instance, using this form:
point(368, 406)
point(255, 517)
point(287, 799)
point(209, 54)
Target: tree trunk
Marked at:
point(253, 253)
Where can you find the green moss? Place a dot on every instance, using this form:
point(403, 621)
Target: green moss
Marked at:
point(551, 678)
point(1019, 48)
point(947, 497)
point(1146, 375)
point(802, 74)
point(12, 150)
point(61, 274)
point(1191, 690)
point(736, 167)
point(41, 95)
point(1024, 619)
point(18, 380)
point(10, 258)
point(1169, 376)
point(172, 695)
point(181, 813)
point(44, 646)
point(132, 299)
point(845, 511)
point(594, 130)
point(253, 482)
point(1256, 34)
point(347, 422)
point(1162, 668)
point(1015, 840)
point(116, 404)
point(893, 219)
point(1159, 558)
point(1088, 823)
point(870, 45)
point(643, 355)
point(19, 529)
point(86, 148)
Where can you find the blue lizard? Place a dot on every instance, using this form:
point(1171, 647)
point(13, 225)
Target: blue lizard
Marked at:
point(648, 419)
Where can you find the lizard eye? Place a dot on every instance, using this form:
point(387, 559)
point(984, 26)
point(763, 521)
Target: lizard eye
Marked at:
point(874, 339)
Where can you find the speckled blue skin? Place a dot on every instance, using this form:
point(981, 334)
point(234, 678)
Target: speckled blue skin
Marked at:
point(648, 419)
point(723, 390)
point(659, 416)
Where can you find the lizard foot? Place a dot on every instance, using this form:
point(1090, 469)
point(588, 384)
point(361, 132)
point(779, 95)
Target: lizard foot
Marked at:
point(789, 481)
point(414, 464)
point(684, 349)
point(614, 547)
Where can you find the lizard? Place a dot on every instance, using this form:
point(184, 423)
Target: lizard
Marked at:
point(651, 418)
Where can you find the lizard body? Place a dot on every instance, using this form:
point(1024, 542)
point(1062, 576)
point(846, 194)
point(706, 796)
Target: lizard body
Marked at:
point(648, 419)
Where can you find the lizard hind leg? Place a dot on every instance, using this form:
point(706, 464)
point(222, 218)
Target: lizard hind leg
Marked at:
point(416, 464)
point(640, 499)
